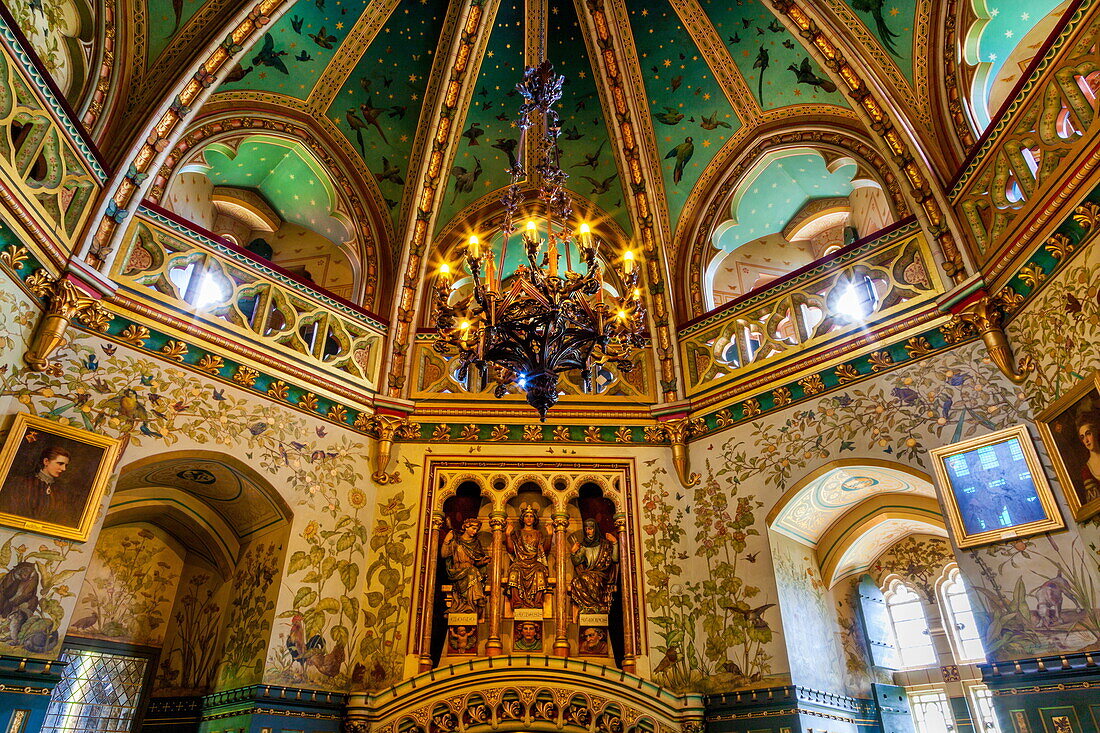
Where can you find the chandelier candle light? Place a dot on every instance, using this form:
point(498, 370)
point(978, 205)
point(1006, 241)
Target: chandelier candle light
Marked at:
point(526, 329)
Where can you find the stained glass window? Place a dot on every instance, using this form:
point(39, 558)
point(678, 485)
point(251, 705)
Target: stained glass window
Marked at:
point(98, 692)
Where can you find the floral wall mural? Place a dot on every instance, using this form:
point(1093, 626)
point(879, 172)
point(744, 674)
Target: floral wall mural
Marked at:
point(191, 650)
point(918, 560)
point(810, 630)
point(129, 587)
point(250, 614)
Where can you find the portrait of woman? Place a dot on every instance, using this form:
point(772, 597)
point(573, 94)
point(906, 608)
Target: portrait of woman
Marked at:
point(1071, 430)
point(527, 546)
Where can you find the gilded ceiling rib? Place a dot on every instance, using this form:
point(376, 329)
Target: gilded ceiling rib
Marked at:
point(160, 129)
point(359, 39)
point(186, 45)
point(453, 78)
point(108, 51)
point(606, 32)
point(933, 209)
point(717, 56)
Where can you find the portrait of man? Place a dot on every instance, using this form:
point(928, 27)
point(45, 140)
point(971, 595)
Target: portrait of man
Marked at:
point(528, 636)
point(1071, 430)
point(593, 640)
point(52, 475)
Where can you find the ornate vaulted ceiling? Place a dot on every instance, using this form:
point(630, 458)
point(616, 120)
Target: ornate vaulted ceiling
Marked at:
point(404, 111)
point(712, 77)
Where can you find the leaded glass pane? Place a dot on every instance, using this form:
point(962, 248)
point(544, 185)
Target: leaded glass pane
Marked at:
point(97, 692)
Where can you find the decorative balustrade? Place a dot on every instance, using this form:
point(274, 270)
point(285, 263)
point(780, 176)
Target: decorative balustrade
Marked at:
point(1037, 138)
point(812, 314)
point(434, 376)
point(254, 308)
point(49, 176)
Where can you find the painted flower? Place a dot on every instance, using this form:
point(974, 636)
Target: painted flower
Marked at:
point(357, 498)
point(311, 530)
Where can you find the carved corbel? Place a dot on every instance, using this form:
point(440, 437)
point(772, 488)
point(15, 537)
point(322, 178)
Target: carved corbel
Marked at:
point(387, 428)
point(66, 302)
point(987, 315)
point(677, 432)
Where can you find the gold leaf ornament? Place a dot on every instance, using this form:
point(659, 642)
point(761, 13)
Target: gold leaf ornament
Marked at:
point(175, 350)
point(245, 376)
point(135, 335)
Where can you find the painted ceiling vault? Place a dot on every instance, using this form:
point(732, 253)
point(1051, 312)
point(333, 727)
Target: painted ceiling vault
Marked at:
point(708, 75)
point(406, 111)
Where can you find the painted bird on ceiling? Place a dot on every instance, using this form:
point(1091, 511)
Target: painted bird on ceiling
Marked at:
point(323, 38)
point(296, 23)
point(762, 61)
point(177, 9)
point(805, 75)
point(592, 160)
point(472, 133)
point(304, 56)
point(390, 173)
point(370, 116)
point(682, 153)
point(508, 147)
point(268, 56)
point(709, 123)
point(669, 117)
point(603, 186)
point(357, 124)
point(464, 179)
point(887, 36)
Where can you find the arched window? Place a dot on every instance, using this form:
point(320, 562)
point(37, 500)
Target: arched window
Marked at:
point(959, 619)
point(914, 643)
point(931, 711)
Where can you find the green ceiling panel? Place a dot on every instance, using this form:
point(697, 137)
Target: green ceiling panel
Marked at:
point(286, 175)
point(776, 193)
point(774, 64)
point(290, 58)
point(587, 154)
point(489, 127)
point(891, 22)
point(165, 18)
point(692, 118)
point(379, 105)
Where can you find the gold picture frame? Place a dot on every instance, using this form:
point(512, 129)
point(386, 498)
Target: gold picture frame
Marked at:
point(54, 477)
point(1060, 426)
point(994, 488)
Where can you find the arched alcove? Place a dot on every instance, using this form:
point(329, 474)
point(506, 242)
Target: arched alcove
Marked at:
point(792, 207)
point(186, 567)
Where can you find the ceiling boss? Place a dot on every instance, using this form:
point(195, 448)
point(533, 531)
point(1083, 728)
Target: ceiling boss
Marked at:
point(526, 328)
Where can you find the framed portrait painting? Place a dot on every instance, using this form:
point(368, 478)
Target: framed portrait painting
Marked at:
point(1070, 428)
point(994, 488)
point(53, 476)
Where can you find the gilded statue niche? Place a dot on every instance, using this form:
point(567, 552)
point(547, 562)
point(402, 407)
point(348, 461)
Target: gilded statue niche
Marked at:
point(527, 558)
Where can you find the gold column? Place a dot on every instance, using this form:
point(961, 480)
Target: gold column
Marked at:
point(494, 647)
point(427, 602)
point(561, 592)
point(628, 586)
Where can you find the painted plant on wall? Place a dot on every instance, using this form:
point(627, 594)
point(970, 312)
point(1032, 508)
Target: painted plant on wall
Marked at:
point(33, 585)
point(919, 560)
point(387, 606)
point(250, 616)
point(713, 630)
point(190, 656)
point(128, 592)
point(307, 651)
point(1068, 306)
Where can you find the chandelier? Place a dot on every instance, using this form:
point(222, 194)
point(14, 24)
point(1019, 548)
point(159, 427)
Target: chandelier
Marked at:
point(525, 329)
